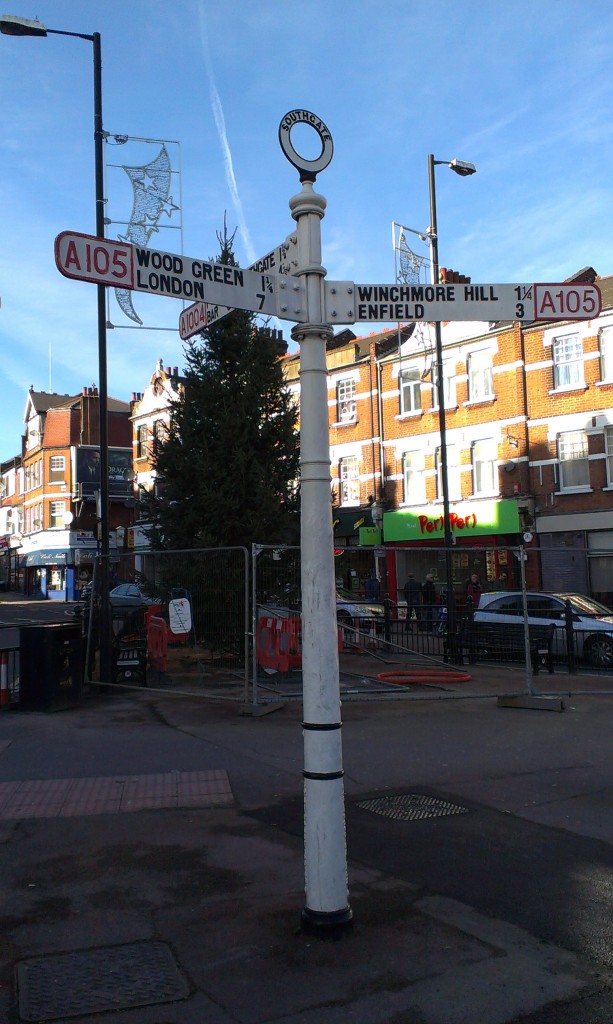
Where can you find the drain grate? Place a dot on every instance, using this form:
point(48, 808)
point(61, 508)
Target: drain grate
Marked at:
point(411, 807)
point(96, 980)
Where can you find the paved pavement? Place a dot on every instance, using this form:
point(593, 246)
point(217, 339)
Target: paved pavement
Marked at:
point(153, 858)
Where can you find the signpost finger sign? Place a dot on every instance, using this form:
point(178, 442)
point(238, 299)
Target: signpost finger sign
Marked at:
point(348, 303)
point(122, 265)
point(200, 315)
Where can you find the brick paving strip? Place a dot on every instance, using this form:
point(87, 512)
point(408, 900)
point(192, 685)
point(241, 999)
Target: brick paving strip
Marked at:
point(64, 798)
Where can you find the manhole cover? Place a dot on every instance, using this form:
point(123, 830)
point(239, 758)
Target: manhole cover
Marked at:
point(96, 980)
point(411, 807)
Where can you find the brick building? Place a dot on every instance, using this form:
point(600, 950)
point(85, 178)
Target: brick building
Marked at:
point(151, 413)
point(529, 433)
point(55, 490)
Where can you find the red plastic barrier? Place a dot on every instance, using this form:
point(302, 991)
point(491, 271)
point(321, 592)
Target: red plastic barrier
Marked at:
point(157, 642)
point(153, 611)
point(268, 644)
point(278, 643)
point(289, 654)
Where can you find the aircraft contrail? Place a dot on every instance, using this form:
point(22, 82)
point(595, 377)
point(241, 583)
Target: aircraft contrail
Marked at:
point(220, 124)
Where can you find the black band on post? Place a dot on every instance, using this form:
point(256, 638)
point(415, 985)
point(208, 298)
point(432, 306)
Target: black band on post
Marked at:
point(322, 726)
point(323, 776)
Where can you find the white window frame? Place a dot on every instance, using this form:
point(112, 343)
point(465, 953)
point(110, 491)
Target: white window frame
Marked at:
point(34, 518)
point(349, 480)
point(480, 375)
point(409, 390)
point(608, 444)
point(573, 448)
point(567, 355)
point(57, 511)
point(448, 384)
point(346, 406)
point(454, 474)
point(605, 345)
point(142, 441)
point(57, 468)
point(159, 433)
point(414, 477)
point(484, 461)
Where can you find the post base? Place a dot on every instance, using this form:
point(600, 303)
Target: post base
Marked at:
point(535, 703)
point(321, 925)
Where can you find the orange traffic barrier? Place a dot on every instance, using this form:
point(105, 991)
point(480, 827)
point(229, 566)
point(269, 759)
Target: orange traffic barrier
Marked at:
point(154, 611)
point(288, 644)
point(425, 676)
point(278, 643)
point(157, 642)
point(273, 644)
point(4, 678)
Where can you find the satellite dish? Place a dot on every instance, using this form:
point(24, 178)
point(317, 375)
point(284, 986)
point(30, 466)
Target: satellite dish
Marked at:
point(510, 466)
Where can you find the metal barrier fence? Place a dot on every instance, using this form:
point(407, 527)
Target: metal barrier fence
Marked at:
point(9, 676)
point(499, 616)
point(191, 609)
point(214, 615)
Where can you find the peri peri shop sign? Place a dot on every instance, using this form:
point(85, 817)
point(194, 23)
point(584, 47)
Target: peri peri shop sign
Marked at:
point(468, 520)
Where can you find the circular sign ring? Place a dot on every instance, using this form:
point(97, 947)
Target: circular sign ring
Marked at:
point(310, 167)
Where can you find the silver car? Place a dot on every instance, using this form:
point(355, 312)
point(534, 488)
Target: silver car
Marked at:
point(592, 621)
point(350, 606)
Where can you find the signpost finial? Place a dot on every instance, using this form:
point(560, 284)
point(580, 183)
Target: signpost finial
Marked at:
point(309, 169)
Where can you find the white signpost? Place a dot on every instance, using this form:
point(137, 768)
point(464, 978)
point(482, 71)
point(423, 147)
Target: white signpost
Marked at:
point(348, 303)
point(200, 315)
point(314, 305)
point(123, 265)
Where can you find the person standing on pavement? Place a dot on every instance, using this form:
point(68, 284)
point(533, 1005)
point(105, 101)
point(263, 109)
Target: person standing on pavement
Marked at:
point(412, 596)
point(372, 588)
point(473, 590)
point(428, 598)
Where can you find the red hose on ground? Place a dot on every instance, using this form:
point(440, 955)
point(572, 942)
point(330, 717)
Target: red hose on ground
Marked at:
point(426, 675)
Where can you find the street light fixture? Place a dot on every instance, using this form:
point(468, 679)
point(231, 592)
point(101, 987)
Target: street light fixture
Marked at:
point(464, 169)
point(13, 25)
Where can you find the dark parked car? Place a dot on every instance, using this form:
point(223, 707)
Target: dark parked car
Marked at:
point(125, 595)
point(130, 595)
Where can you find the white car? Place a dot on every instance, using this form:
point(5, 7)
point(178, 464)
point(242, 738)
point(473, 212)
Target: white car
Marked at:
point(592, 621)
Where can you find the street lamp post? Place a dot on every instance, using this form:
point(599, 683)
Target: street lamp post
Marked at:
point(463, 169)
point(15, 26)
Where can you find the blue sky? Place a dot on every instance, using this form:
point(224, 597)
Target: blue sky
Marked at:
point(521, 90)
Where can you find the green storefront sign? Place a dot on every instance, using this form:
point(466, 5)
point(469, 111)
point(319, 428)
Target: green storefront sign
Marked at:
point(468, 519)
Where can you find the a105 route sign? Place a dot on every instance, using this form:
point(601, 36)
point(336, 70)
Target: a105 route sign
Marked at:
point(348, 303)
point(122, 265)
point(200, 315)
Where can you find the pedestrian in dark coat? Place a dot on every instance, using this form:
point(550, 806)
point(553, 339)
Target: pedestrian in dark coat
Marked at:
point(428, 599)
point(412, 596)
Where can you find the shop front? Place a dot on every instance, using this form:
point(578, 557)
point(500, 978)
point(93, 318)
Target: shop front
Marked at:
point(354, 560)
point(10, 576)
point(45, 573)
point(486, 537)
point(577, 554)
point(58, 574)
